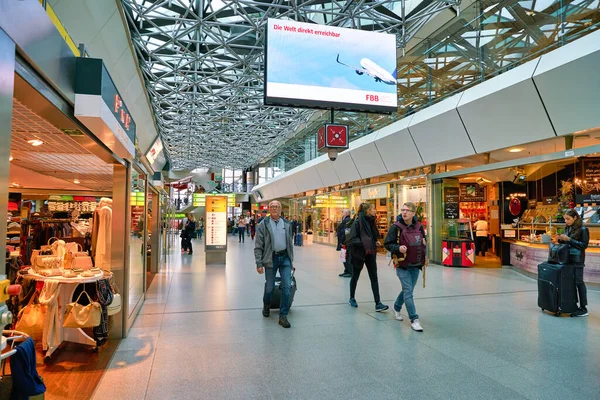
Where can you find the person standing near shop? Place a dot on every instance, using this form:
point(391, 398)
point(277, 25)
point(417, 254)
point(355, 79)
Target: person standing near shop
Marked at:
point(253, 227)
point(481, 236)
point(241, 230)
point(341, 236)
point(577, 237)
point(362, 243)
point(247, 221)
point(200, 227)
point(189, 229)
point(274, 250)
point(407, 237)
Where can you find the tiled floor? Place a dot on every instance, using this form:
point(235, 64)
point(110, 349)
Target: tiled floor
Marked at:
point(201, 335)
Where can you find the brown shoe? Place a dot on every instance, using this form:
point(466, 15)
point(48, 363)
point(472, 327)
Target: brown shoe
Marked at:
point(283, 321)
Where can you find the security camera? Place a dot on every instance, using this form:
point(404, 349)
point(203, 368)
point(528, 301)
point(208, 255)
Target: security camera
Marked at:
point(332, 153)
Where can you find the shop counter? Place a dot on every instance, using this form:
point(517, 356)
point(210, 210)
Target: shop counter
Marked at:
point(527, 256)
point(458, 252)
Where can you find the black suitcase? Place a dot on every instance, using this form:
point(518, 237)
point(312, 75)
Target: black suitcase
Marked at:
point(276, 299)
point(556, 288)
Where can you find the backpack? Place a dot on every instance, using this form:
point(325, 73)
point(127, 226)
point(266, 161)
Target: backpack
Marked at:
point(348, 230)
point(191, 226)
point(412, 238)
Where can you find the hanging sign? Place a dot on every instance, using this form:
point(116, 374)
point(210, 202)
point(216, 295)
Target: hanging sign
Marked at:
point(216, 223)
point(199, 199)
point(591, 169)
point(375, 192)
point(100, 107)
point(472, 192)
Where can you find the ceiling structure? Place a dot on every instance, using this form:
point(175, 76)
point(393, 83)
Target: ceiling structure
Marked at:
point(487, 38)
point(60, 156)
point(202, 61)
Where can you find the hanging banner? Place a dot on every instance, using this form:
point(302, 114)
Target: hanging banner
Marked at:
point(216, 223)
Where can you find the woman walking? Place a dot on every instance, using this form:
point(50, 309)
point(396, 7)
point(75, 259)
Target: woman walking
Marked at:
point(362, 243)
point(241, 229)
point(577, 237)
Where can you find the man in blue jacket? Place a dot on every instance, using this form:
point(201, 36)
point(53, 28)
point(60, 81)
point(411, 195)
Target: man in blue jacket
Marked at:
point(274, 250)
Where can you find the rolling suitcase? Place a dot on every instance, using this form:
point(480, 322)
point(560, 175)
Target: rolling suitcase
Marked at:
point(276, 299)
point(298, 239)
point(556, 288)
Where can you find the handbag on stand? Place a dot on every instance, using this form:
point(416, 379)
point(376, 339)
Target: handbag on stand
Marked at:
point(80, 316)
point(31, 319)
point(49, 247)
point(76, 258)
point(115, 306)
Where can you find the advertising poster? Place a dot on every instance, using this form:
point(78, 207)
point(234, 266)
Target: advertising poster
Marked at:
point(216, 223)
point(327, 66)
point(451, 199)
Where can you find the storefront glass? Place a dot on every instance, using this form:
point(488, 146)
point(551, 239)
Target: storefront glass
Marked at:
point(137, 239)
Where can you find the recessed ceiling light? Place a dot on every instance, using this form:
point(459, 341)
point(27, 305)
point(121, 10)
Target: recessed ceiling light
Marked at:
point(35, 142)
point(515, 150)
point(76, 181)
point(15, 184)
point(10, 158)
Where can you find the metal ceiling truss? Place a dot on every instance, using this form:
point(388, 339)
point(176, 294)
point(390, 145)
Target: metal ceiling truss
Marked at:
point(203, 60)
point(486, 39)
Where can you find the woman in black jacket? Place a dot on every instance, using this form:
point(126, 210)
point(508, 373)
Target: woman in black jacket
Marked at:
point(362, 243)
point(577, 237)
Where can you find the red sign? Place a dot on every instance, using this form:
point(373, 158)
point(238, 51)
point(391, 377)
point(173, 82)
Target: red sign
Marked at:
point(337, 136)
point(321, 138)
point(124, 117)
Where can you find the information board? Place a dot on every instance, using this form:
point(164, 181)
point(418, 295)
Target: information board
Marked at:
point(591, 169)
point(199, 199)
point(451, 197)
point(472, 192)
point(216, 223)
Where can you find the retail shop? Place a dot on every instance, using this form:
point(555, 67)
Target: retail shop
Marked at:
point(78, 217)
point(522, 206)
point(321, 211)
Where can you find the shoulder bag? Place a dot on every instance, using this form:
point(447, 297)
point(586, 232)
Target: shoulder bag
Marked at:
point(31, 319)
point(80, 316)
point(115, 306)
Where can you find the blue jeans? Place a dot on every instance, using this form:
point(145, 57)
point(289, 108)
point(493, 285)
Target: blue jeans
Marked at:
point(283, 264)
point(408, 279)
point(241, 230)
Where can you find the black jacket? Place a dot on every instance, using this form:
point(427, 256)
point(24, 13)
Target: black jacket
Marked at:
point(355, 247)
point(341, 231)
point(577, 245)
point(391, 240)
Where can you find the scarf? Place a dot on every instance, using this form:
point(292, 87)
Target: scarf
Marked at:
point(367, 237)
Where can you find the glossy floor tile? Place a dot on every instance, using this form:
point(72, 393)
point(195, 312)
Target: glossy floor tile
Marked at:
point(201, 335)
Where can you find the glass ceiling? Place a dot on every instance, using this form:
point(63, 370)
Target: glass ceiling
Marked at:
point(202, 62)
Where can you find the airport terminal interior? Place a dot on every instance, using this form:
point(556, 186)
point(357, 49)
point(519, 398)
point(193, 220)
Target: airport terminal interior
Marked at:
point(435, 165)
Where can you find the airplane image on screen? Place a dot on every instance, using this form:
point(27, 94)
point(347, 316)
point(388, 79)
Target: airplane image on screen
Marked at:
point(372, 69)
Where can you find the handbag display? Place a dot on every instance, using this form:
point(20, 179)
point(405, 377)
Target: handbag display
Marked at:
point(559, 253)
point(31, 320)
point(46, 262)
point(77, 259)
point(115, 306)
point(80, 316)
point(48, 247)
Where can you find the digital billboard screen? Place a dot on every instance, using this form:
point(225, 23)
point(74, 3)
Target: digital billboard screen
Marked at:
point(330, 67)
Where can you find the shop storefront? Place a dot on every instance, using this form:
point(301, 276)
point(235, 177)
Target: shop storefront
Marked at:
point(320, 213)
point(522, 207)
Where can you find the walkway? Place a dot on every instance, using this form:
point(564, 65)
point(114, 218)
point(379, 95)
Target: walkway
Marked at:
point(201, 335)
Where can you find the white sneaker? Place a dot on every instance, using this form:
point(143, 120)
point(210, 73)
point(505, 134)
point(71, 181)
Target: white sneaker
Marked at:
point(416, 326)
point(398, 316)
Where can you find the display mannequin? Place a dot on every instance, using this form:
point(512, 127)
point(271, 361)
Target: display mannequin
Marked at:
point(103, 237)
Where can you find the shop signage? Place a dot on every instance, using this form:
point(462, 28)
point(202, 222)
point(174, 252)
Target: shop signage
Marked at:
point(591, 169)
point(587, 198)
point(375, 192)
point(325, 201)
point(199, 199)
point(100, 107)
point(155, 151)
point(472, 192)
point(550, 200)
point(451, 197)
point(216, 223)
point(532, 204)
point(332, 136)
point(510, 233)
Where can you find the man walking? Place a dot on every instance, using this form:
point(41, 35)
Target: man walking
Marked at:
point(274, 250)
point(341, 237)
point(406, 240)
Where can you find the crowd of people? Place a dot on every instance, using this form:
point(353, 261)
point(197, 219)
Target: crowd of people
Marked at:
point(406, 241)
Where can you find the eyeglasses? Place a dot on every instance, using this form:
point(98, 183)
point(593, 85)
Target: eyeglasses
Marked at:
point(275, 207)
point(406, 210)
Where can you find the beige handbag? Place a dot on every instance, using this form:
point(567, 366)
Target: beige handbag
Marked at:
point(77, 259)
point(46, 262)
point(48, 247)
point(80, 316)
point(31, 319)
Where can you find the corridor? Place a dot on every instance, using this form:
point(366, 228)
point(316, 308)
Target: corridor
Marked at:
point(201, 335)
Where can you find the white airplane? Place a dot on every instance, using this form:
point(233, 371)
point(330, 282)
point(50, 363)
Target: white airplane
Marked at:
point(374, 70)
